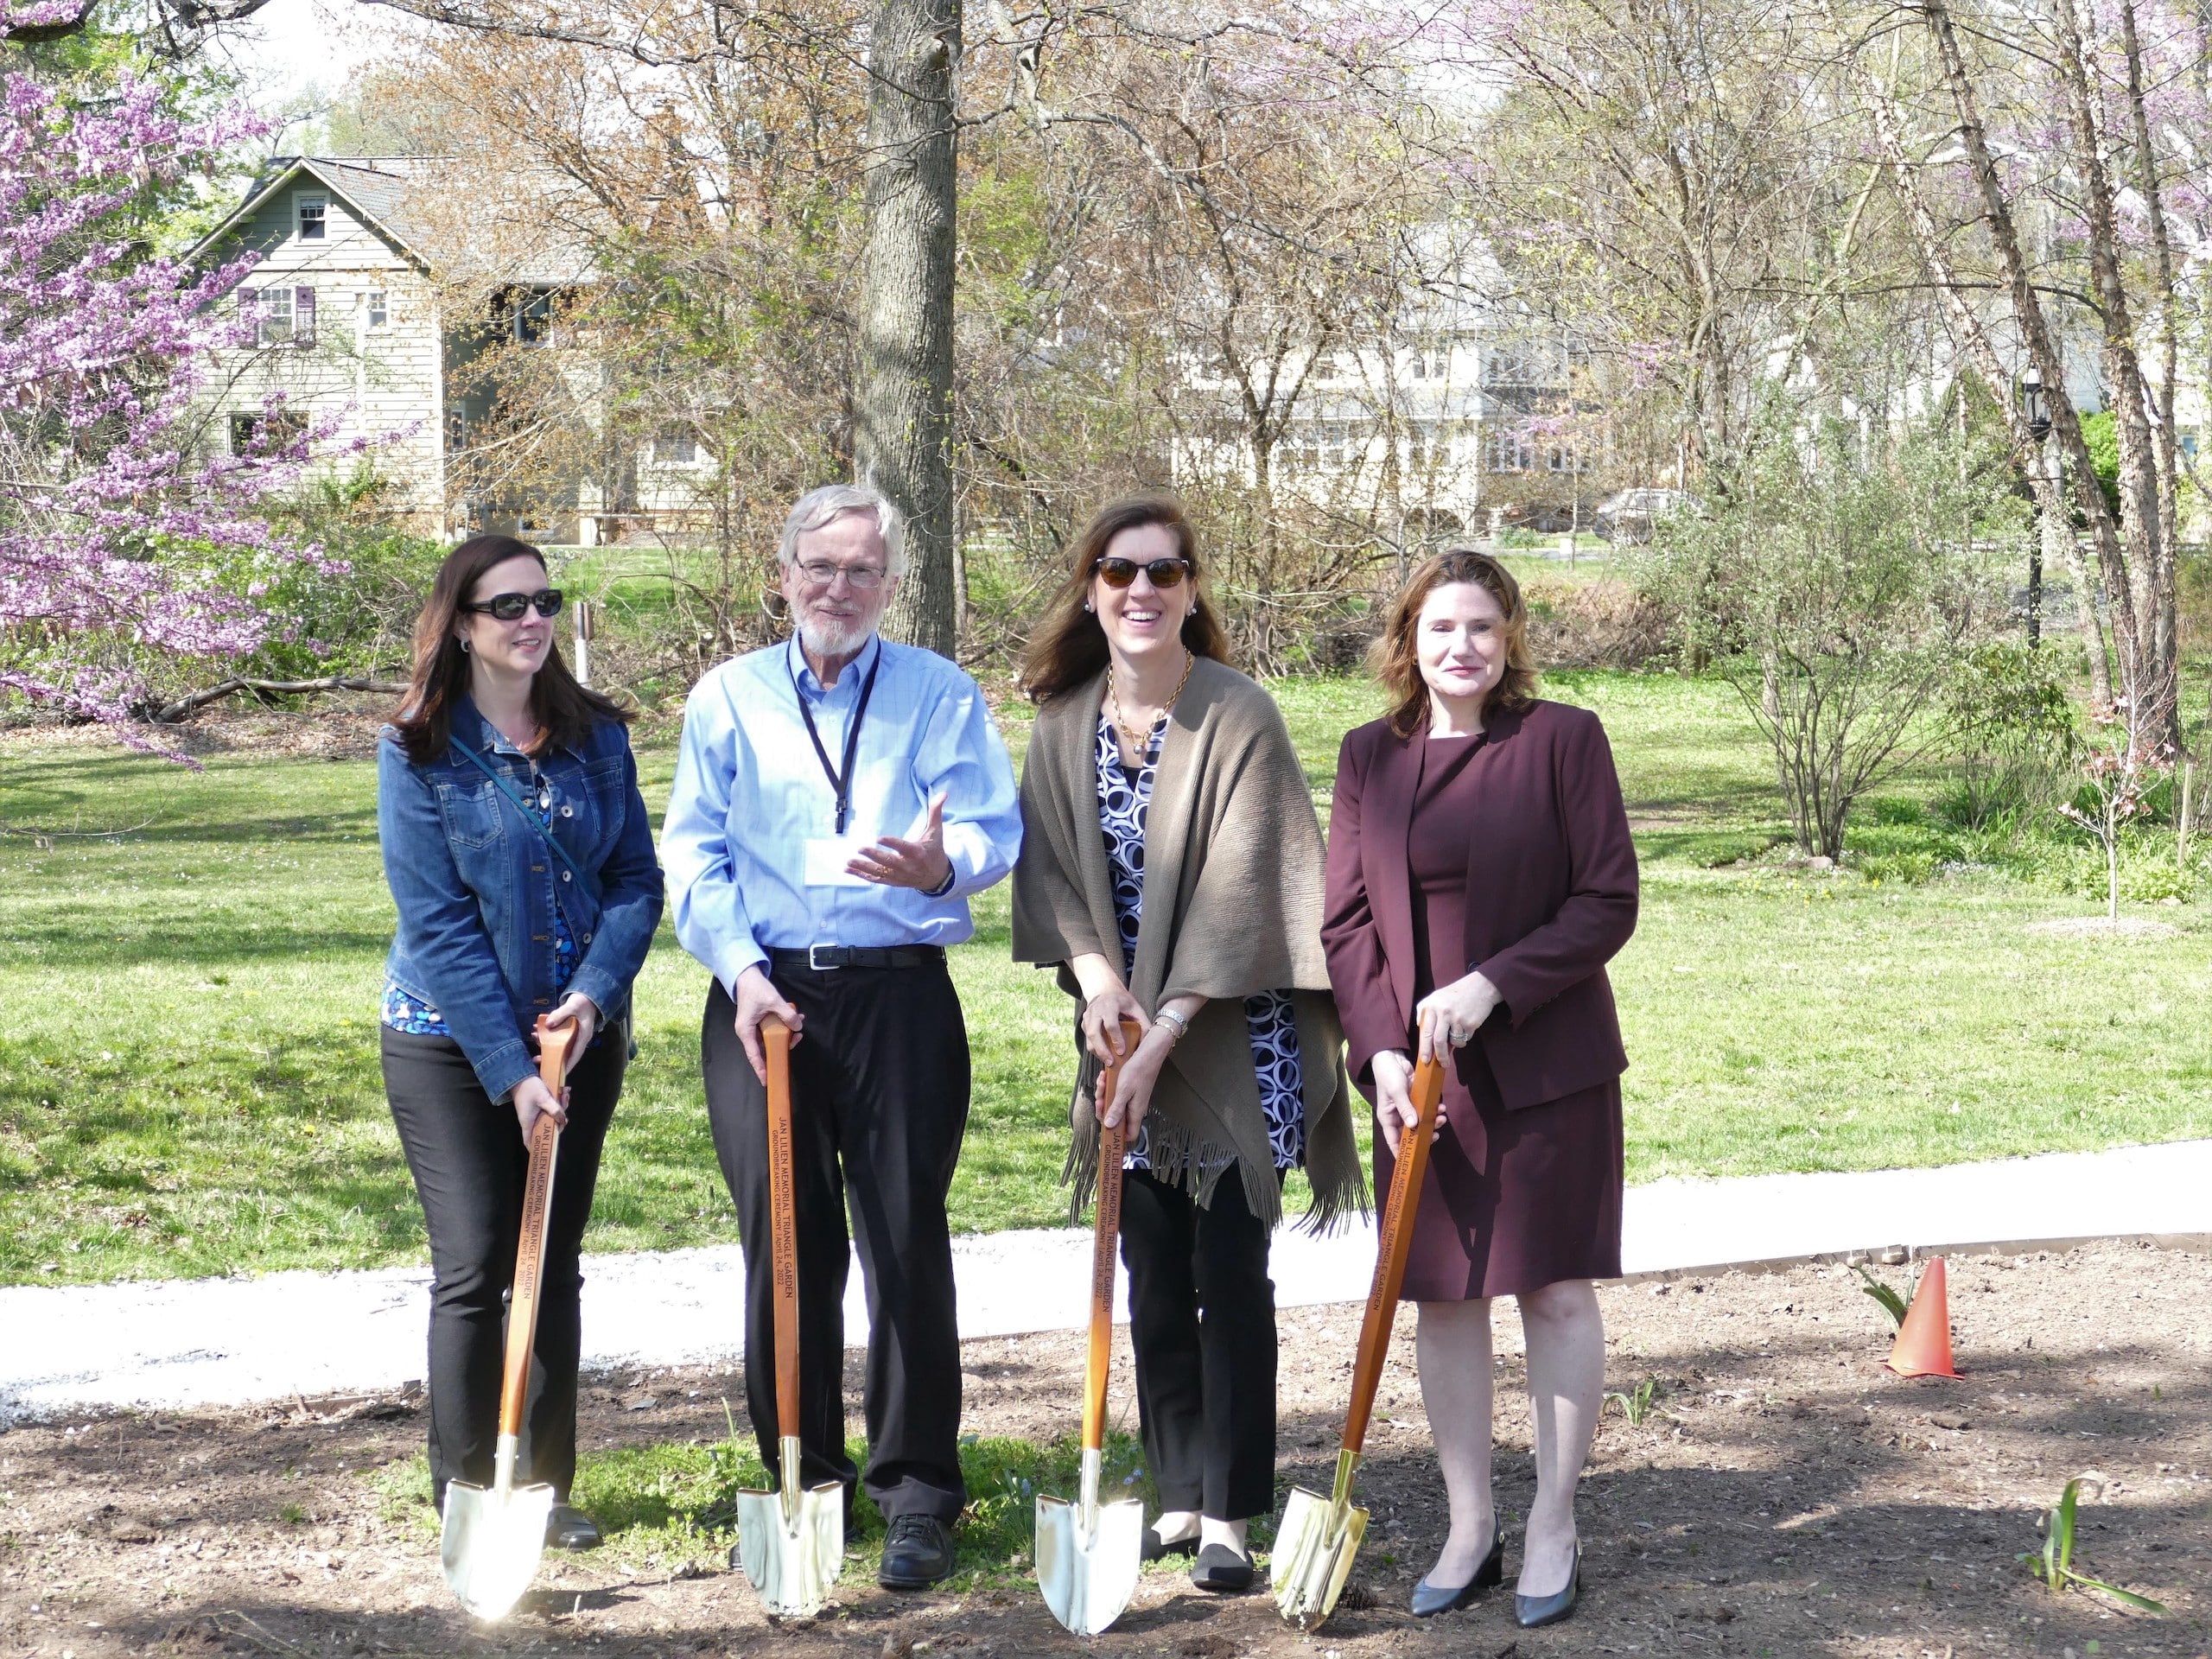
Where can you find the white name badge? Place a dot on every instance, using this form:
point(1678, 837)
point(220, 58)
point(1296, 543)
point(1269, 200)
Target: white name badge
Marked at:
point(827, 856)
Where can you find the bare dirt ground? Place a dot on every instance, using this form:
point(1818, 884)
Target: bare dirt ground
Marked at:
point(1784, 1495)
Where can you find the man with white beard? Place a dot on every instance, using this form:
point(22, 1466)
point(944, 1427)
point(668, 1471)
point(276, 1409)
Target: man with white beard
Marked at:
point(837, 799)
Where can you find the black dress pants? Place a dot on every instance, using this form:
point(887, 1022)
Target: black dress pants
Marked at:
point(1202, 1322)
point(878, 1104)
point(470, 1161)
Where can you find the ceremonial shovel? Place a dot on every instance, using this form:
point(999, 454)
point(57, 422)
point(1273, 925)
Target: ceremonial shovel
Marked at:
point(1319, 1537)
point(792, 1543)
point(493, 1538)
point(1089, 1554)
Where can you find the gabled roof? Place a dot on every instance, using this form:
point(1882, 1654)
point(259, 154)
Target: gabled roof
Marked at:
point(377, 195)
point(399, 197)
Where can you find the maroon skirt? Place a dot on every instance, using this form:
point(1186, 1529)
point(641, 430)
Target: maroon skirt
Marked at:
point(1513, 1201)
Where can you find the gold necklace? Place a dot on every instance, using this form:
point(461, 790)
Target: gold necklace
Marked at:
point(1141, 741)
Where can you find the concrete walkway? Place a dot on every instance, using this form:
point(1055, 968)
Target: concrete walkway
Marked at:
point(233, 1341)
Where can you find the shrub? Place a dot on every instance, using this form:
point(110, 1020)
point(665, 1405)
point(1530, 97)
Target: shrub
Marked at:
point(1836, 581)
point(2008, 703)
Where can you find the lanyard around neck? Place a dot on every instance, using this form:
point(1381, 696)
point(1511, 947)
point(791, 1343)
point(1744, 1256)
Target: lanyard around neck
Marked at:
point(841, 782)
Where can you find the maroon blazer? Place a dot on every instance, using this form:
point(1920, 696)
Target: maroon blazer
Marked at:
point(1551, 898)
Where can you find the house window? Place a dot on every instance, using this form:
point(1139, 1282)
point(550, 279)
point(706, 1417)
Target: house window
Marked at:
point(1509, 451)
point(456, 429)
point(1429, 446)
point(314, 212)
point(263, 434)
point(270, 308)
point(531, 316)
point(1522, 363)
point(279, 316)
point(1562, 458)
point(677, 446)
point(379, 316)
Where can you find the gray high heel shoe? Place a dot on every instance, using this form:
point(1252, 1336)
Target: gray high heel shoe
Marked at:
point(1430, 1599)
point(1533, 1610)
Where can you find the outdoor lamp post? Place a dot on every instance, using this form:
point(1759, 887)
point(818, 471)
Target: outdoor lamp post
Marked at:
point(2035, 406)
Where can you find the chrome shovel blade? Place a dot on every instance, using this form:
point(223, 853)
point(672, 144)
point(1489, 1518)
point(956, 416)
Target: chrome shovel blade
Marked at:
point(492, 1543)
point(1088, 1578)
point(1312, 1556)
point(793, 1565)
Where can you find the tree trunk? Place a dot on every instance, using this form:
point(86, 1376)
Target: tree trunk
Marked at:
point(902, 441)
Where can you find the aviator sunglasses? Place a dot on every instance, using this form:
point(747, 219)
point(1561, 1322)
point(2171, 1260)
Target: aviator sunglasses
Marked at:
point(546, 601)
point(1120, 573)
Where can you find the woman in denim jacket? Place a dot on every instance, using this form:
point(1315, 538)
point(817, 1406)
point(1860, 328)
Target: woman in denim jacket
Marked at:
point(518, 851)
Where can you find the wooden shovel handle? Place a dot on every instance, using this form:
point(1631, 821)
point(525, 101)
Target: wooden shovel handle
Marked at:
point(1105, 1235)
point(537, 1202)
point(1397, 1237)
point(782, 1221)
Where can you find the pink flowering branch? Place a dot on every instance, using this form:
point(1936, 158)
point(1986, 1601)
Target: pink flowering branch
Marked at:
point(114, 507)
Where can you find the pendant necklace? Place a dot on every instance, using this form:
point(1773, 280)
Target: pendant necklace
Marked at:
point(1142, 743)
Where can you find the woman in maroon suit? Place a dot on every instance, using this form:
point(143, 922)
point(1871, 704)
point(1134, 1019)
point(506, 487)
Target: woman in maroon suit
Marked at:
point(1480, 876)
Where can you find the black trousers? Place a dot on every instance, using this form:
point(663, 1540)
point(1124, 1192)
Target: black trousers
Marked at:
point(1202, 1321)
point(469, 1161)
point(878, 1104)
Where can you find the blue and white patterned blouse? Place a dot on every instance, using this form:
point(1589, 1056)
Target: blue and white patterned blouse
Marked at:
point(404, 1013)
point(1124, 799)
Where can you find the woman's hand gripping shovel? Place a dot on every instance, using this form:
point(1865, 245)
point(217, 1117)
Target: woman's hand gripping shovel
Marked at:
point(1089, 1554)
point(791, 1541)
point(1319, 1537)
point(493, 1538)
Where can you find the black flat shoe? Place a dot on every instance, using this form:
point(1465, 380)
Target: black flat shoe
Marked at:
point(1533, 1610)
point(917, 1555)
point(569, 1528)
point(1222, 1570)
point(1155, 1550)
point(1431, 1599)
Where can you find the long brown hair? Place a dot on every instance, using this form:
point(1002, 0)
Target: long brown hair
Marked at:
point(1069, 647)
point(564, 710)
point(1394, 658)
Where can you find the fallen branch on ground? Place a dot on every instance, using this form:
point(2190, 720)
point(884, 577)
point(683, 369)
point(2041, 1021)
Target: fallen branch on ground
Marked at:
point(183, 706)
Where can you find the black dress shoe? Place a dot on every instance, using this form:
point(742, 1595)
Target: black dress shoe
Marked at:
point(917, 1555)
point(1533, 1610)
point(569, 1528)
point(1431, 1599)
point(1155, 1550)
point(1222, 1570)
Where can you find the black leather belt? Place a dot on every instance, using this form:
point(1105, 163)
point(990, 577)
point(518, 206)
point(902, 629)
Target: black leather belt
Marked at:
point(820, 959)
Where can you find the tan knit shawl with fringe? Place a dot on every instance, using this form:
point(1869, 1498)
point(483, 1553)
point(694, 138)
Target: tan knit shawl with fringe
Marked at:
point(1232, 907)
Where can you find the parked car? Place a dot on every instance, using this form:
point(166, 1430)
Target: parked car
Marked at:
point(1630, 515)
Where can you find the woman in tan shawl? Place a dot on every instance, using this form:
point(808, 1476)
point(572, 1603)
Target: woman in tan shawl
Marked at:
point(1171, 870)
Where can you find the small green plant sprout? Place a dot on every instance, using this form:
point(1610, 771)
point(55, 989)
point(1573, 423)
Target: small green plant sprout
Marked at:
point(2054, 1563)
point(1892, 1303)
point(1636, 1403)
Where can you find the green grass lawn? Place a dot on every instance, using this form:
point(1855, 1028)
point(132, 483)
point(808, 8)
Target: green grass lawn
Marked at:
point(188, 1081)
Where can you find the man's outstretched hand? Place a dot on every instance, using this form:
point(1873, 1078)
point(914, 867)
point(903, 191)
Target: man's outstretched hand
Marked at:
point(920, 863)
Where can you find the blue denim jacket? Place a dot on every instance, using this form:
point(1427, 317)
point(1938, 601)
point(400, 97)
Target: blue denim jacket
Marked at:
point(476, 886)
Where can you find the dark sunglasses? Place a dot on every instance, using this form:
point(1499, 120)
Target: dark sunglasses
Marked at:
point(546, 601)
point(1120, 573)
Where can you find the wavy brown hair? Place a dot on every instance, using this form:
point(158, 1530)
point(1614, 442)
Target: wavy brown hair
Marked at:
point(1068, 648)
point(564, 710)
point(1394, 658)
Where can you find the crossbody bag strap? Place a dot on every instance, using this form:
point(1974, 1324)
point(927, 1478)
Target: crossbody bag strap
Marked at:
point(544, 833)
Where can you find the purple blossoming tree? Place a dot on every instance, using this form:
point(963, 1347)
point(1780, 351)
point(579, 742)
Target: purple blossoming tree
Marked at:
point(122, 530)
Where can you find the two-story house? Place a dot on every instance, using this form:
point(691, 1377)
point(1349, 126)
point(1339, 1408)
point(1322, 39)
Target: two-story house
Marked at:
point(379, 283)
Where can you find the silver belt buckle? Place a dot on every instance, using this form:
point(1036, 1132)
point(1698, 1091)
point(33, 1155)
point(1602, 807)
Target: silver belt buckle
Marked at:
point(814, 959)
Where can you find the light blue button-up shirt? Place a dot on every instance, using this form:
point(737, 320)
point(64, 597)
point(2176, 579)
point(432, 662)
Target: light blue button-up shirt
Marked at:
point(750, 792)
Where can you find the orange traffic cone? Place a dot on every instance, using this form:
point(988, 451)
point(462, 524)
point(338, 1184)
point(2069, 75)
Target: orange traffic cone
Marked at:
point(1923, 1343)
